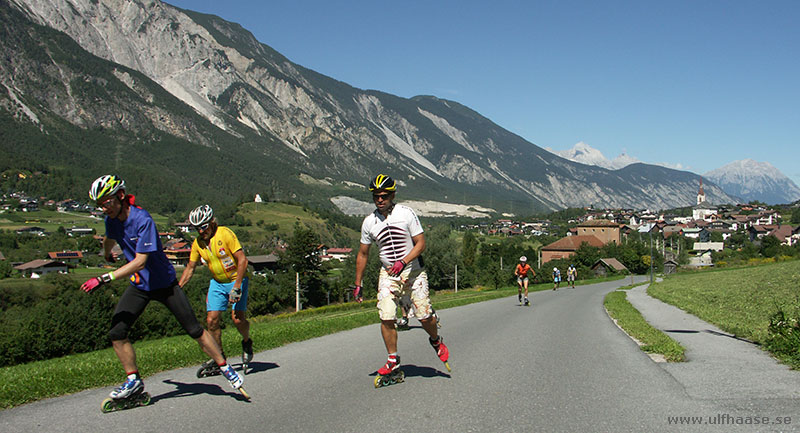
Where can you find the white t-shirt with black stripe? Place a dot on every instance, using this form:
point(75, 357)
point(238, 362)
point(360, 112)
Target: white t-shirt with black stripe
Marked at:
point(392, 234)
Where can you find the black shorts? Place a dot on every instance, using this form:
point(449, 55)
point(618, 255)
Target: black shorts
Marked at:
point(132, 304)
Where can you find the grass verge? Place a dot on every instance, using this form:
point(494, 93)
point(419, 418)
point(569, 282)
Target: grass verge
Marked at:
point(630, 319)
point(50, 378)
point(740, 301)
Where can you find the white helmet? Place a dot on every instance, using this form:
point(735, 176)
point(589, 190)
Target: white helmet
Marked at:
point(523, 259)
point(105, 185)
point(201, 215)
point(555, 269)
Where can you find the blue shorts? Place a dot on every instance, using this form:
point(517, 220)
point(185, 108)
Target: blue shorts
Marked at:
point(219, 293)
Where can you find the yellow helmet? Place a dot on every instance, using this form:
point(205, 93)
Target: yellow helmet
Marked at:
point(383, 182)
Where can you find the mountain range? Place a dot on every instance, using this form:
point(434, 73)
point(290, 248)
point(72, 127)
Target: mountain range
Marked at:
point(188, 106)
point(753, 180)
point(746, 179)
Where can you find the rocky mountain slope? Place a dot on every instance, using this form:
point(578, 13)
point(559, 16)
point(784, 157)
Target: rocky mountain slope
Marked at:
point(170, 81)
point(753, 180)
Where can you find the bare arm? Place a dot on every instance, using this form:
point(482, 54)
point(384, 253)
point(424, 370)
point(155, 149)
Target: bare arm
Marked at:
point(419, 247)
point(130, 268)
point(241, 267)
point(108, 244)
point(188, 271)
point(361, 262)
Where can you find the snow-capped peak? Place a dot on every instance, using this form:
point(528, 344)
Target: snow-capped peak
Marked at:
point(585, 154)
point(754, 180)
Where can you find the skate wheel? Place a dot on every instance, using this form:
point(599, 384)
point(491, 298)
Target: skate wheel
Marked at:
point(144, 400)
point(378, 381)
point(200, 374)
point(401, 377)
point(244, 393)
point(447, 366)
point(107, 406)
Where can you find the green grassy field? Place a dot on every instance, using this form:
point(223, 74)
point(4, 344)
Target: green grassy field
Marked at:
point(51, 220)
point(740, 301)
point(285, 216)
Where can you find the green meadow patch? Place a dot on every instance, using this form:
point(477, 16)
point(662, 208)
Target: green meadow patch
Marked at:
point(759, 303)
point(630, 319)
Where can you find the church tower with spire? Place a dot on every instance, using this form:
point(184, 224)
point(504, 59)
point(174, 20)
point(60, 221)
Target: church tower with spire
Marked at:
point(701, 195)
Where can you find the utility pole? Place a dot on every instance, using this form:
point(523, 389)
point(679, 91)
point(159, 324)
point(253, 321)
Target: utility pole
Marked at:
point(651, 255)
point(297, 292)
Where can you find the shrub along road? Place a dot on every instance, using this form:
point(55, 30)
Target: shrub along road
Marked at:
point(561, 365)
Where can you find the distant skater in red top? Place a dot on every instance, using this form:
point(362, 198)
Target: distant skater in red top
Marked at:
point(522, 278)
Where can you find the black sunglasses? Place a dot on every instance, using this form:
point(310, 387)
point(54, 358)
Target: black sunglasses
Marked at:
point(381, 196)
point(202, 227)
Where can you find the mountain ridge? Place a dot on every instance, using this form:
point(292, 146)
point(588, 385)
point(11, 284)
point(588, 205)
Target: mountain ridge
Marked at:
point(754, 180)
point(306, 122)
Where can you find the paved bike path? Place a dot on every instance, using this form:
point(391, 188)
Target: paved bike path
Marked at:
point(558, 366)
point(720, 366)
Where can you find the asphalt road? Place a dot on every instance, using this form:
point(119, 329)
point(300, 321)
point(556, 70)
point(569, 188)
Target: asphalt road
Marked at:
point(558, 366)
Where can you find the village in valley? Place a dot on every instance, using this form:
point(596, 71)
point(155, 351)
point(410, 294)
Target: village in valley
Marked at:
point(706, 231)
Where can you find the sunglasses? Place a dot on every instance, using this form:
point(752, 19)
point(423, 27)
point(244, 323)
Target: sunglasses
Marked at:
point(202, 227)
point(105, 204)
point(381, 196)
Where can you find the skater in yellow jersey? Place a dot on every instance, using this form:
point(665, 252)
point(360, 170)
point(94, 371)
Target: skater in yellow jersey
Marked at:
point(219, 248)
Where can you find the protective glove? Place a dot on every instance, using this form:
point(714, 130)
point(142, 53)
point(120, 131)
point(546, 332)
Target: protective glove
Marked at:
point(236, 294)
point(397, 268)
point(357, 293)
point(96, 282)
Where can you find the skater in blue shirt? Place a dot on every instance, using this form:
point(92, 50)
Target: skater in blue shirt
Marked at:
point(151, 277)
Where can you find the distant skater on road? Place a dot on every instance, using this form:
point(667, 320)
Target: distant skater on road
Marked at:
point(521, 271)
point(571, 274)
point(400, 239)
point(151, 277)
point(219, 248)
point(556, 278)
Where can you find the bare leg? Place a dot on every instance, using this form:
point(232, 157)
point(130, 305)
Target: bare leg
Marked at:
point(212, 320)
point(241, 323)
point(211, 348)
point(389, 334)
point(429, 325)
point(126, 355)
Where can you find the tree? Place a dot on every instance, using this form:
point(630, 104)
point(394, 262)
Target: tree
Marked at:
point(302, 256)
point(440, 257)
point(796, 215)
point(5, 269)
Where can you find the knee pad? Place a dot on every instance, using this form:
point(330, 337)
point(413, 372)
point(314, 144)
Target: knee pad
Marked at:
point(195, 331)
point(118, 332)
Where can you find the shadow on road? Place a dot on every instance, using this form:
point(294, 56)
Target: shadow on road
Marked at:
point(257, 367)
point(712, 332)
point(412, 370)
point(190, 389)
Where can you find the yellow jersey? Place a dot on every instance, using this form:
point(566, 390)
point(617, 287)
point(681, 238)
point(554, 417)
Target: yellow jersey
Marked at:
point(218, 254)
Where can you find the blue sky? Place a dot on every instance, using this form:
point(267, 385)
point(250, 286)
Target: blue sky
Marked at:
point(692, 84)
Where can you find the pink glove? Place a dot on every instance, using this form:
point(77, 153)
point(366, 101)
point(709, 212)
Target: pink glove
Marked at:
point(357, 293)
point(397, 268)
point(91, 284)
